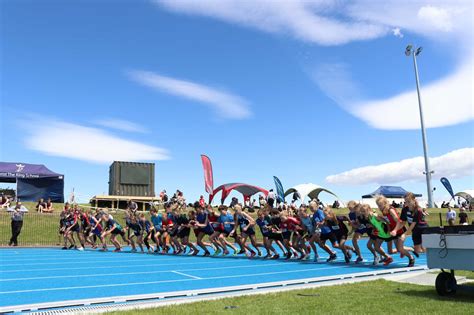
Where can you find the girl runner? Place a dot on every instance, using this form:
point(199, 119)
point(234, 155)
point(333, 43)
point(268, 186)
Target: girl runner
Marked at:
point(288, 226)
point(307, 224)
point(134, 231)
point(147, 233)
point(113, 228)
point(156, 228)
point(203, 227)
point(323, 232)
point(183, 232)
point(264, 223)
point(363, 219)
point(390, 216)
point(226, 222)
point(246, 223)
point(414, 216)
point(337, 226)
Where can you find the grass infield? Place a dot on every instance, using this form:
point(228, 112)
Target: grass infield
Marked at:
point(372, 297)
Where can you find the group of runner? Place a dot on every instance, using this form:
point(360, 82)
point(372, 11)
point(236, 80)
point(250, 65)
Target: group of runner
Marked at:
point(297, 232)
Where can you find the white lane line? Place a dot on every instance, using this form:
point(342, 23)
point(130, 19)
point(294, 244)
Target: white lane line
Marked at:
point(167, 281)
point(80, 255)
point(151, 264)
point(140, 272)
point(186, 275)
point(115, 259)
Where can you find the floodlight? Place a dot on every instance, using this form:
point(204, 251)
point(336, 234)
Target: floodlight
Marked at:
point(408, 50)
point(418, 51)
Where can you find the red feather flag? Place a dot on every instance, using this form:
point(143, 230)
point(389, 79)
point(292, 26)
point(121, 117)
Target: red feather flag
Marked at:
point(208, 177)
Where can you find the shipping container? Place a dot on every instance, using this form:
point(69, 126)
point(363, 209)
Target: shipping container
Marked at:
point(132, 179)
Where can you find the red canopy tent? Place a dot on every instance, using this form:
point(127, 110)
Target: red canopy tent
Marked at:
point(245, 189)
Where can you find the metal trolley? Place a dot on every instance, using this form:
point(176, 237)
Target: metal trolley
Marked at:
point(449, 248)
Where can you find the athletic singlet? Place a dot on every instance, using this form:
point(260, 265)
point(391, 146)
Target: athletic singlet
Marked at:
point(229, 218)
point(392, 223)
point(145, 225)
point(289, 225)
point(157, 221)
point(84, 220)
point(308, 223)
point(318, 217)
point(263, 224)
point(110, 224)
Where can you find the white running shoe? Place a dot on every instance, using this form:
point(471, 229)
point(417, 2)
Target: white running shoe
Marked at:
point(376, 260)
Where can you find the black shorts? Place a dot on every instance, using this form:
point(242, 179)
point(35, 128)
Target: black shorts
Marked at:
point(173, 232)
point(184, 232)
point(416, 234)
point(328, 236)
point(391, 238)
point(275, 236)
point(340, 236)
point(372, 236)
point(249, 232)
point(286, 235)
point(206, 231)
point(76, 228)
point(118, 232)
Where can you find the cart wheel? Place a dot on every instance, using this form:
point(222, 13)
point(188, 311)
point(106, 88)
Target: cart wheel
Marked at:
point(446, 284)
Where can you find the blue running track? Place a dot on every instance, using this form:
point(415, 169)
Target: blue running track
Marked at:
point(46, 275)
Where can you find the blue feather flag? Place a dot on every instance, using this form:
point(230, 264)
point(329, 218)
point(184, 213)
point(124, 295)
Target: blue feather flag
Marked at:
point(280, 190)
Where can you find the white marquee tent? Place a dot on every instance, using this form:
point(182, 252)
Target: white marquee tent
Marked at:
point(466, 194)
point(308, 190)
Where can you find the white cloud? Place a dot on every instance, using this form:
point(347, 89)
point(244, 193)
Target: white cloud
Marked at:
point(59, 138)
point(226, 104)
point(438, 17)
point(397, 32)
point(447, 101)
point(311, 21)
point(455, 164)
point(332, 22)
point(121, 124)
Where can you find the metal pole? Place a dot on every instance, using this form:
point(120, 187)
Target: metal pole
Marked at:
point(423, 135)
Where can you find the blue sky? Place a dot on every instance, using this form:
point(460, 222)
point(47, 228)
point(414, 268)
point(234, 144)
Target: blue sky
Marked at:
point(309, 92)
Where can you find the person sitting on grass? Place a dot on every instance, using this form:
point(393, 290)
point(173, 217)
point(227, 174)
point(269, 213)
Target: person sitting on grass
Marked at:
point(5, 202)
point(49, 206)
point(41, 205)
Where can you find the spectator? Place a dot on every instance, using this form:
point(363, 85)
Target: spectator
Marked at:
point(17, 214)
point(163, 196)
point(262, 201)
point(296, 196)
point(132, 206)
point(233, 202)
point(4, 201)
point(202, 202)
point(255, 204)
point(41, 205)
point(49, 206)
point(450, 216)
point(271, 198)
point(463, 216)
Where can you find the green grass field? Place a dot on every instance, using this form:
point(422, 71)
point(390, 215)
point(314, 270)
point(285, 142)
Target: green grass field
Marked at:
point(374, 297)
point(42, 229)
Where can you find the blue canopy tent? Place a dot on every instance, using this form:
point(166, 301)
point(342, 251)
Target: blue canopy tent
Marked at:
point(33, 181)
point(389, 192)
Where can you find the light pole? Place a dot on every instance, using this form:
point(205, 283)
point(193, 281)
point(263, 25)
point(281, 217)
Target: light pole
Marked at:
point(415, 52)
